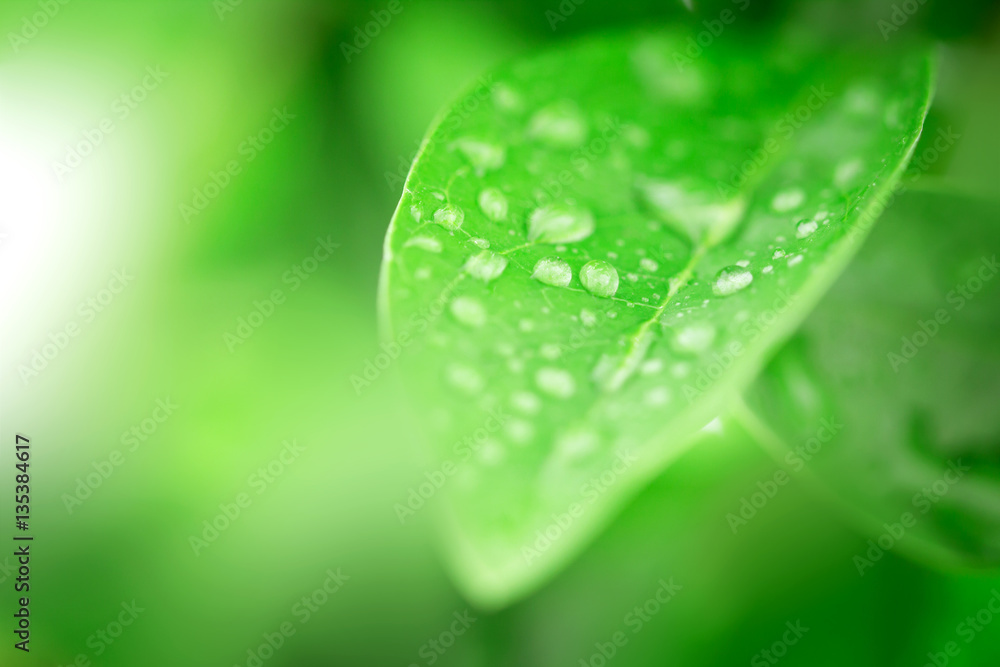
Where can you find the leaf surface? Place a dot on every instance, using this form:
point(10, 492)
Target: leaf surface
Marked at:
point(599, 248)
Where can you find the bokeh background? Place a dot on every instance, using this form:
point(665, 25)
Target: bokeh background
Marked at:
point(248, 143)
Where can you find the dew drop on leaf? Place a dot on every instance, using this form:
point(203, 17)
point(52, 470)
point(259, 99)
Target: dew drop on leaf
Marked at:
point(483, 156)
point(560, 224)
point(560, 125)
point(555, 382)
point(788, 200)
point(486, 265)
point(805, 228)
point(649, 265)
point(464, 378)
point(552, 271)
point(731, 280)
point(526, 402)
point(468, 311)
point(450, 217)
point(424, 243)
point(599, 278)
point(493, 204)
point(693, 338)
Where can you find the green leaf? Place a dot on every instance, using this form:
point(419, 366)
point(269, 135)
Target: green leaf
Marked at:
point(578, 256)
point(902, 357)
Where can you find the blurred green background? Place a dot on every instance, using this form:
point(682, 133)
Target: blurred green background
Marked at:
point(174, 177)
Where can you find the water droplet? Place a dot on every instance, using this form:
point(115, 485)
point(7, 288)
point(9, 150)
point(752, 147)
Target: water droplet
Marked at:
point(731, 280)
point(424, 243)
point(491, 453)
point(788, 200)
point(482, 243)
point(487, 266)
point(415, 212)
point(519, 431)
point(694, 338)
point(599, 278)
point(526, 402)
point(483, 156)
point(651, 367)
point(744, 263)
point(648, 265)
point(506, 98)
point(450, 217)
point(560, 125)
point(778, 254)
point(714, 427)
point(792, 261)
point(468, 311)
point(697, 215)
point(576, 444)
point(494, 204)
point(550, 351)
point(862, 100)
point(464, 378)
point(552, 271)
point(560, 224)
point(637, 136)
point(805, 228)
point(555, 382)
point(767, 269)
point(588, 318)
point(657, 396)
point(847, 172)
point(660, 74)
